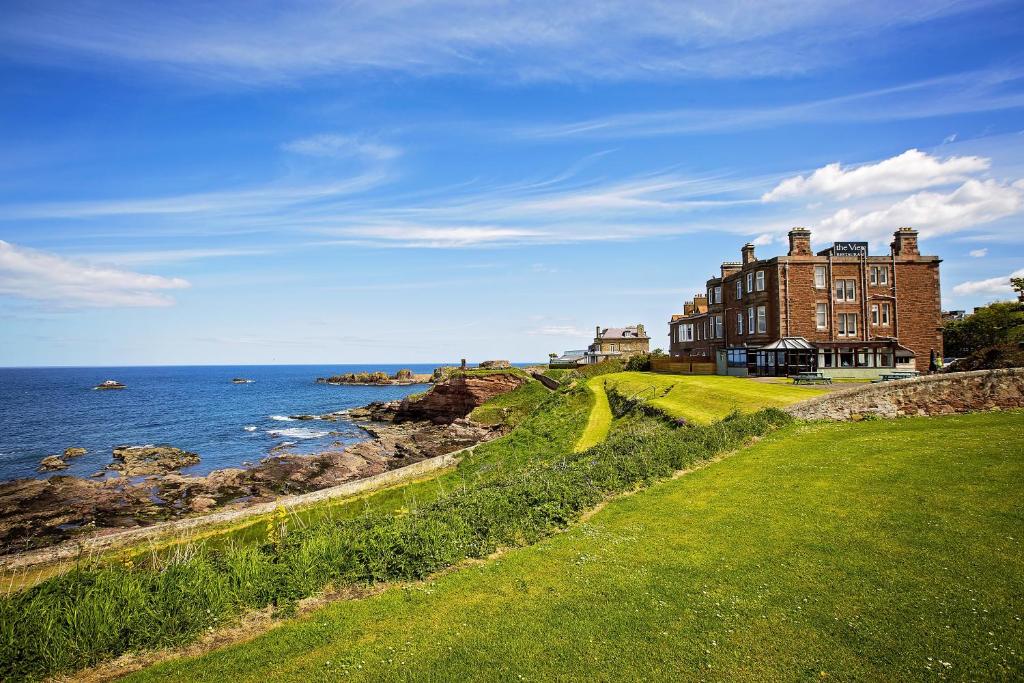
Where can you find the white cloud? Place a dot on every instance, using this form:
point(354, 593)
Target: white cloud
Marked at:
point(557, 331)
point(912, 170)
point(31, 274)
point(979, 253)
point(973, 203)
point(341, 147)
point(993, 285)
point(765, 239)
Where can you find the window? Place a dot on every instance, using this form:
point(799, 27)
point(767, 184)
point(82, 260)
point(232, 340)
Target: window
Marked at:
point(885, 358)
point(711, 296)
point(819, 277)
point(827, 359)
point(874, 314)
point(864, 358)
point(762, 320)
point(760, 280)
point(739, 323)
point(879, 275)
point(684, 333)
point(880, 314)
point(846, 290)
point(750, 283)
point(846, 358)
point(885, 314)
point(750, 320)
point(739, 289)
point(737, 358)
point(718, 294)
point(822, 316)
point(719, 332)
point(847, 324)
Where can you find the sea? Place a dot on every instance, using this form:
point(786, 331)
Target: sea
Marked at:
point(45, 410)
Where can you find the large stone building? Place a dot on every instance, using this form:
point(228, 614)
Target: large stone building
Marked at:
point(841, 311)
point(617, 342)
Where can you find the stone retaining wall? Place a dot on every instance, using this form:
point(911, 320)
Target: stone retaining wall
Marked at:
point(943, 394)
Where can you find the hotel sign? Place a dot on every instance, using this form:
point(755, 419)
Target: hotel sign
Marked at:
point(849, 248)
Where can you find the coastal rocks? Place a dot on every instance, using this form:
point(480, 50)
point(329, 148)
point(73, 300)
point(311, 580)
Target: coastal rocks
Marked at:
point(74, 452)
point(457, 395)
point(401, 377)
point(135, 461)
point(495, 365)
point(52, 463)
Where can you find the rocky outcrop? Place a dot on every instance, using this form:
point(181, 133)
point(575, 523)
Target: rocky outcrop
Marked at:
point(36, 513)
point(137, 461)
point(943, 394)
point(74, 452)
point(402, 377)
point(457, 395)
point(495, 365)
point(52, 463)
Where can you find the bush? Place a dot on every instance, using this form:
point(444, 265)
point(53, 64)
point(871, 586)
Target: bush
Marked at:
point(992, 357)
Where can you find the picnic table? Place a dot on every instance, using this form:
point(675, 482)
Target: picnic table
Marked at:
point(901, 374)
point(811, 378)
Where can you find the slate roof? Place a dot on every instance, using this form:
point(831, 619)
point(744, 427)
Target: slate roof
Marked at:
point(621, 333)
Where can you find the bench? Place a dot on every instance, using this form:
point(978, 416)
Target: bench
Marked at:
point(811, 378)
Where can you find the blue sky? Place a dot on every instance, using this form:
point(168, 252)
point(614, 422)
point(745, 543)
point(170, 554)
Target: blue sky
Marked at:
point(415, 182)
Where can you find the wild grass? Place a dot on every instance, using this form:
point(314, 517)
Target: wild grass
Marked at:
point(98, 612)
point(512, 408)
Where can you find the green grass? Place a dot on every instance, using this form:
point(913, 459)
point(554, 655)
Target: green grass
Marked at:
point(599, 422)
point(864, 551)
point(511, 408)
point(703, 399)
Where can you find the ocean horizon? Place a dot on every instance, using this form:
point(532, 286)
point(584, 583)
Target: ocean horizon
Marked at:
point(44, 410)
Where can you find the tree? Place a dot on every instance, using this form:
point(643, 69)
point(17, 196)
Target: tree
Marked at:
point(1018, 286)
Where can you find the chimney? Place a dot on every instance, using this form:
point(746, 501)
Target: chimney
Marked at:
point(639, 329)
point(748, 253)
point(904, 242)
point(597, 332)
point(730, 267)
point(800, 242)
point(688, 308)
point(700, 303)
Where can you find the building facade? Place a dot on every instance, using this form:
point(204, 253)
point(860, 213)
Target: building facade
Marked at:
point(840, 311)
point(617, 342)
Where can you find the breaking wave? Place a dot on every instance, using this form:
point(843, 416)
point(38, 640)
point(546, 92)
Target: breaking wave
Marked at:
point(300, 433)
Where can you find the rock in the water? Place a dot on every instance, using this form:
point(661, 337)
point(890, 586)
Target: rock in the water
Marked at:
point(134, 461)
point(52, 463)
point(495, 365)
point(74, 452)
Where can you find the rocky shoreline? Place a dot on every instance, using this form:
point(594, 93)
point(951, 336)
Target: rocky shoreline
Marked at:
point(143, 484)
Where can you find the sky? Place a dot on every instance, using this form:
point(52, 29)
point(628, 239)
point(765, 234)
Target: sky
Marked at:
point(388, 182)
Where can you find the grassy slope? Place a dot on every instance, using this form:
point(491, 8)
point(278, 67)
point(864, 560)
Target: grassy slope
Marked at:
point(703, 399)
point(789, 559)
point(599, 422)
point(513, 407)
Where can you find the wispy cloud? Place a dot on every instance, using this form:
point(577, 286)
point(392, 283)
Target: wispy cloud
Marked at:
point(974, 91)
point(992, 285)
point(557, 331)
point(529, 40)
point(342, 146)
point(32, 274)
point(979, 253)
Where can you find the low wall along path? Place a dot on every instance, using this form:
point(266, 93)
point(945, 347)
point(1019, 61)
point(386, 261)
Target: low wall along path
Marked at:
point(943, 394)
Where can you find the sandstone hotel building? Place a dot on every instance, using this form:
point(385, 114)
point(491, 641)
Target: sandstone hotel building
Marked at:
point(842, 311)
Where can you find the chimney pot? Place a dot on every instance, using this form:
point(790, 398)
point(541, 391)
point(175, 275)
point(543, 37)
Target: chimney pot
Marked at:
point(748, 253)
point(904, 242)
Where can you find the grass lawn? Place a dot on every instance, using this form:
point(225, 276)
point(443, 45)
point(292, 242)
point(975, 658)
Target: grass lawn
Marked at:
point(599, 421)
point(863, 551)
point(705, 398)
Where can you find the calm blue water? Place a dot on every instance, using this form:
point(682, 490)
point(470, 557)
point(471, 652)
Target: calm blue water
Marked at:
point(45, 410)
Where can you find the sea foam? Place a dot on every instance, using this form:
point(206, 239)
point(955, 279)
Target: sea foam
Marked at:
point(300, 433)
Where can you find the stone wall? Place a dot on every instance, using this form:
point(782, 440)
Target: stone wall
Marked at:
point(943, 394)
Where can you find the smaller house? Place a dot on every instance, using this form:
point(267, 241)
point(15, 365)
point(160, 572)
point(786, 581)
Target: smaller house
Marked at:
point(617, 343)
point(568, 359)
